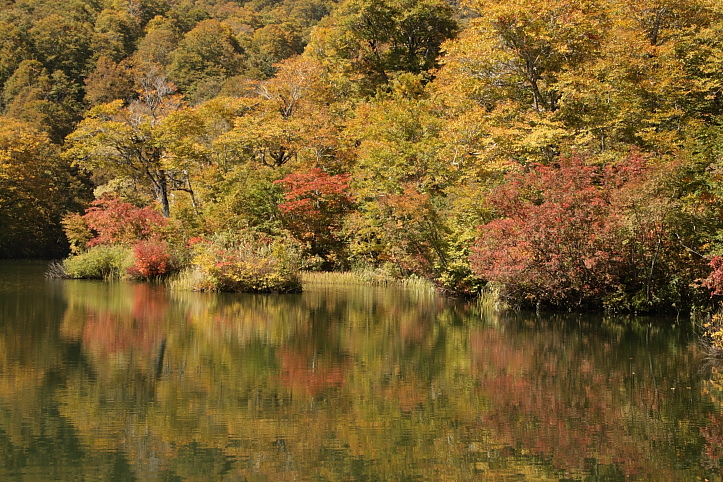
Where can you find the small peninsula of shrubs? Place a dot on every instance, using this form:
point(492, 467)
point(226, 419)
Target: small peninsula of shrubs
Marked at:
point(115, 240)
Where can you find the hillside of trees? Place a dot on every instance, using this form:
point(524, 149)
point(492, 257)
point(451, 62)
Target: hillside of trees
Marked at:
point(567, 152)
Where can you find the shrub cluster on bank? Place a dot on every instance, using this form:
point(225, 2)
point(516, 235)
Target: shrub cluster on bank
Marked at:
point(241, 264)
point(582, 236)
point(115, 240)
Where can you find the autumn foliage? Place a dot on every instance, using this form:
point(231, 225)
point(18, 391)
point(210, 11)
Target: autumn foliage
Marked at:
point(577, 235)
point(390, 128)
point(110, 225)
point(243, 264)
point(411, 233)
point(315, 205)
point(151, 260)
point(714, 281)
point(118, 222)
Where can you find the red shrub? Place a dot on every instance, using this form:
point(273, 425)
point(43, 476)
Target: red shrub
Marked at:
point(714, 282)
point(316, 203)
point(551, 241)
point(574, 234)
point(151, 260)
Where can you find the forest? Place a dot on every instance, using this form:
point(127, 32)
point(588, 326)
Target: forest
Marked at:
point(567, 154)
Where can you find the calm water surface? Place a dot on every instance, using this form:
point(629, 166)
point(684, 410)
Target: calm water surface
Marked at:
point(119, 381)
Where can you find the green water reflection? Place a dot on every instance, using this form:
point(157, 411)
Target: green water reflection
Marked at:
point(132, 382)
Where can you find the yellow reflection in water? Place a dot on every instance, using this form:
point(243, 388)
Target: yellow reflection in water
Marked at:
point(355, 382)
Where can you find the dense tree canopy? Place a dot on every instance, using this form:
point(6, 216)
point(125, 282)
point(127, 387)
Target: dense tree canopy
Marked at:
point(371, 41)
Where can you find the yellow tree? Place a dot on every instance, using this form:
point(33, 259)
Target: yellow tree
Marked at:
point(641, 89)
point(123, 142)
point(289, 119)
point(549, 77)
point(50, 101)
point(400, 179)
point(507, 66)
point(284, 124)
point(36, 189)
point(193, 158)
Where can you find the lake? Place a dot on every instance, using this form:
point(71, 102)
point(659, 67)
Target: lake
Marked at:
point(124, 381)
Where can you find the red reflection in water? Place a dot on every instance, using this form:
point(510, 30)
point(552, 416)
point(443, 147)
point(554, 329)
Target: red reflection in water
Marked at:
point(141, 328)
point(550, 400)
point(307, 373)
point(713, 435)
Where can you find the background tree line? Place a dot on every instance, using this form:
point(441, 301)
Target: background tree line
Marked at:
point(566, 151)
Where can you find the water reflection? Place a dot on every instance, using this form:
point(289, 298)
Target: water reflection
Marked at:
point(618, 403)
point(116, 325)
point(131, 381)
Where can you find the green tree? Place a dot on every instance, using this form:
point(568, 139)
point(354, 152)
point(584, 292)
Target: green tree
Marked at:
point(13, 50)
point(63, 44)
point(115, 34)
point(377, 39)
point(161, 39)
point(271, 44)
point(205, 57)
point(399, 180)
point(50, 102)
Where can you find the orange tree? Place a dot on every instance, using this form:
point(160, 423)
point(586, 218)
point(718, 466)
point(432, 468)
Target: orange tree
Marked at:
point(315, 205)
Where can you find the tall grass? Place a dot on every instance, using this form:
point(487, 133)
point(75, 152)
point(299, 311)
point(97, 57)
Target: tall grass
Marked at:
point(364, 277)
point(188, 279)
point(490, 300)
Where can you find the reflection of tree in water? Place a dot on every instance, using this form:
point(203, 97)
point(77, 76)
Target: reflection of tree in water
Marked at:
point(363, 383)
point(36, 442)
point(239, 374)
point(122, 334)
point(134, 336)
point(607, 402)
point(712, 430)
point(307, 374)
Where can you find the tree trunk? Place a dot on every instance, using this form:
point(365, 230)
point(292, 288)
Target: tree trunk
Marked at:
point(162, 193)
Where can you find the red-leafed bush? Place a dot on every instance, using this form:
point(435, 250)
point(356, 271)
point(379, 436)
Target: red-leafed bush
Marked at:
point(151, 260)
point(116, 222)
point(714, 281)
point(102, 238)
point(553, 240)
point(314, 210)
point(578, 235)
